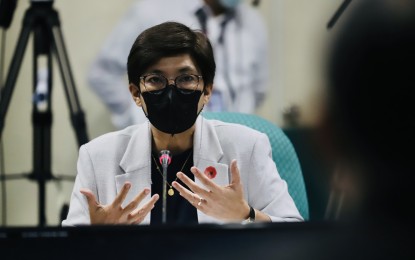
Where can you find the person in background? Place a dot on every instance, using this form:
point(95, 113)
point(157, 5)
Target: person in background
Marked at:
point(218, 173)
point(239, 38)
point(370, 117)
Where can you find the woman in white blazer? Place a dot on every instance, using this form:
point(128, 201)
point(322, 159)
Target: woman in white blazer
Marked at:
point(216, 172)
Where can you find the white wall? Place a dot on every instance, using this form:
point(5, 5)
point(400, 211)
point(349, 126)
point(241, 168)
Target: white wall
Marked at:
point(297, 30)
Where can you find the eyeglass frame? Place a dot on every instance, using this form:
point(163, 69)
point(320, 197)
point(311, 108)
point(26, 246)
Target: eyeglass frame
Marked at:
point(184, 91)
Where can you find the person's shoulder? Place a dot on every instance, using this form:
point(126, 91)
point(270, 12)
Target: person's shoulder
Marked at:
point(248, 12)
point(236, 135)
point(146, 6)
point(153, 12)
point(233, 129)
point(251, 19)
point(161, 6)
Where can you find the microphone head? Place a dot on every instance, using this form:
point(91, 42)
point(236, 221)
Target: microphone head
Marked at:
point(165, 158)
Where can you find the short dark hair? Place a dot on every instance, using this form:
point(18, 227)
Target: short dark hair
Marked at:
point(170, 39)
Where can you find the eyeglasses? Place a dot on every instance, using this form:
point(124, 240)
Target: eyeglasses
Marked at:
point(156, 83)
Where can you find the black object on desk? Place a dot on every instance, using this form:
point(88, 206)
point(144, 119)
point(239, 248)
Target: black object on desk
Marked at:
point(304, 240)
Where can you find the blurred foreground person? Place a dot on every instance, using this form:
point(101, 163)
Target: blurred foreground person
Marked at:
point(370, 119)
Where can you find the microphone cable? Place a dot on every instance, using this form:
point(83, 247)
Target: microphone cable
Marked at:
point(165, 160)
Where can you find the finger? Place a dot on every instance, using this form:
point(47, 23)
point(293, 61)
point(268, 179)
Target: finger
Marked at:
point(121, 196)
point(236, 177)
point(150, 204)
point(204, 179)
point(90, 197)
point(185, 193)
point(191, 184)
point(139, 214)
point(137, 200)
point(137, 219)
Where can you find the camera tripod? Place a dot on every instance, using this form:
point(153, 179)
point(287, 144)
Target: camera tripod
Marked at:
point(43, 21)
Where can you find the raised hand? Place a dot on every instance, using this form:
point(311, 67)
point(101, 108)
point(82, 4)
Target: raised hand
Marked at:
point(114, 213)
point(225, 203)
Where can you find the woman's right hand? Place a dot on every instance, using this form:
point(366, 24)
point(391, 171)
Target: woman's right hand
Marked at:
point(114, 213)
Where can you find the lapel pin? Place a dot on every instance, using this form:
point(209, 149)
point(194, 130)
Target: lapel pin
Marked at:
point(210, 172)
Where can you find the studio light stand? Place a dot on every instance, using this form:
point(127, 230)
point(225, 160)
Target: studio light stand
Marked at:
point(43, 21)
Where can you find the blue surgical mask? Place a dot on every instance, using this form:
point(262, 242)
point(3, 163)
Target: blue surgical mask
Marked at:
point(230, 4)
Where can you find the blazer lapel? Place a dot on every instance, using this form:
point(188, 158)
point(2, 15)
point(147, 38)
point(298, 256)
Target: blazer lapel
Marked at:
point(137, 166)
point(208, 152)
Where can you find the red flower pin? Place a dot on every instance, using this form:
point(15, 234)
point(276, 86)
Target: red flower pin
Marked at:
point(210, 172)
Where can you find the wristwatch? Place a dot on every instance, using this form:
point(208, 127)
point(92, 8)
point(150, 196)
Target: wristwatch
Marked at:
point(251, 217)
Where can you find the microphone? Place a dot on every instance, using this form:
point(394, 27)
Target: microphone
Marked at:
point(165, 160)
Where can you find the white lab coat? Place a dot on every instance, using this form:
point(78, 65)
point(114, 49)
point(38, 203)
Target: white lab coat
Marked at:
point(241, 60)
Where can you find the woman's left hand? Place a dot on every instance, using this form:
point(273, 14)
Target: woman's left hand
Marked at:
point(226, 203)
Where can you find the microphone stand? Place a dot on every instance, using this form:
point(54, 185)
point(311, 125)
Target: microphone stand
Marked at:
point(165, 160)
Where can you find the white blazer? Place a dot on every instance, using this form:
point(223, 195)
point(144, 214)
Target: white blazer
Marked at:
point(107, 162)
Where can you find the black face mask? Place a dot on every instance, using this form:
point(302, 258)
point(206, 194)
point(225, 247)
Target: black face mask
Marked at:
point(170, 110)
